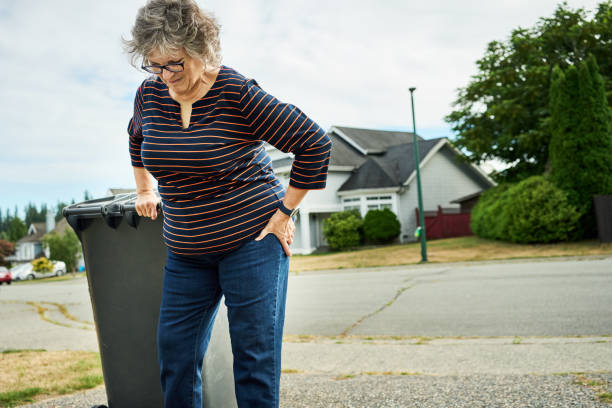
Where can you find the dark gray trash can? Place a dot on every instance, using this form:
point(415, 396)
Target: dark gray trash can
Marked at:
point(603, 213)
point(124, 259)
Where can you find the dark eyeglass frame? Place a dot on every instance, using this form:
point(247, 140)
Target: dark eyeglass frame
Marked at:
point(158, 69)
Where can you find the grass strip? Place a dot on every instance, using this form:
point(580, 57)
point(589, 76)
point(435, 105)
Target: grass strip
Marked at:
point(12, 398)
point(54, 372)
point(462, 249)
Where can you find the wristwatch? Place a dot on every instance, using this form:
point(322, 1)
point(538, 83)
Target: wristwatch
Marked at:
point(286, 210)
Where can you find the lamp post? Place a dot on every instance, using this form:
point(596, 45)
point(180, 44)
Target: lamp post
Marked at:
point(418, 177)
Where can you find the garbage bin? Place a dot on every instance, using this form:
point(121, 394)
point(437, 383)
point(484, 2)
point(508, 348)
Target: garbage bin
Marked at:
point(124, 258)
point(603, 213)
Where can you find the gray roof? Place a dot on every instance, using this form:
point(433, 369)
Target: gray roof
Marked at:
point(467, 197)
point(376, 141)
point(116, 191)
point(343, 154)
point(390, 169)
point(389, 158)
point(41, 229)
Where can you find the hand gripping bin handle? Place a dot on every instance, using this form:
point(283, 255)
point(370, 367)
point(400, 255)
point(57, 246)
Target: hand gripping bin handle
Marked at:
point(125, 264)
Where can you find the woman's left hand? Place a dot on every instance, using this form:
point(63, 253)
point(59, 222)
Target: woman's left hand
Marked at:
point(283, 227)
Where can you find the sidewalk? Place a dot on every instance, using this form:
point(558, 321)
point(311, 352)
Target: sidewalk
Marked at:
point(483, 372)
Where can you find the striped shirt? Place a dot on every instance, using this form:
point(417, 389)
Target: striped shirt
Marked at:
point(215, 178)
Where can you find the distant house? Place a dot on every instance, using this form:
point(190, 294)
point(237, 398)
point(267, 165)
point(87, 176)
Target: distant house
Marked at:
point(375, 169)
point(31, 247)
point(117, 191)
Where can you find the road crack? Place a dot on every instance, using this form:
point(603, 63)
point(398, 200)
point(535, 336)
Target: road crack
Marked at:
point(61, 308)
point(383, 307)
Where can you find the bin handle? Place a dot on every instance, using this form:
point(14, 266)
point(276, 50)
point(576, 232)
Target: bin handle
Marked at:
point(132, 217)
point(132, 207)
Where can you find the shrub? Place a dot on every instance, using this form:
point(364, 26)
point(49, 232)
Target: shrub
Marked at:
point(42, 265)
point(381, 226)
point(487, 219)
point(532, 211)
point(343, 230)
point(540, 212)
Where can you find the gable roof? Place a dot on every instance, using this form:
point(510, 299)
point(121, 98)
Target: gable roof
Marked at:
point(371, 141)
point(343, 154)
point(389, 169)
point(381, 158)
point(40, 228)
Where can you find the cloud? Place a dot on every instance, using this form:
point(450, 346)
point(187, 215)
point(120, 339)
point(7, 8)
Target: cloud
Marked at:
point(68, 87)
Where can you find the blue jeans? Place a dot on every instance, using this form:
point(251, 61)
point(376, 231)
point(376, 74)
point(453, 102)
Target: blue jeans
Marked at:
point(253, 279)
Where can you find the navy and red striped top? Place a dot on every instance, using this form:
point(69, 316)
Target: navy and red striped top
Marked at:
point(215, 178)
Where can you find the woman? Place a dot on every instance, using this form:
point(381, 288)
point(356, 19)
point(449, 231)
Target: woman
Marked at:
point(199, 128)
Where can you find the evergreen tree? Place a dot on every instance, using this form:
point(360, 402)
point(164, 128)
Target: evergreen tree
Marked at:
point(58, 213)
point(17, 230)
point(580, 149)
point(32, 214)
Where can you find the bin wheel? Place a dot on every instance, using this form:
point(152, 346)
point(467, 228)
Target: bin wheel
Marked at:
point(99, 406)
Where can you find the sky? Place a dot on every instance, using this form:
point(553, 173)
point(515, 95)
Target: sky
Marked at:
point(68, 88)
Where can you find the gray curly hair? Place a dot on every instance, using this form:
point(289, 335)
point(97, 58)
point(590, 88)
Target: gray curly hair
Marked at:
point(169, 25)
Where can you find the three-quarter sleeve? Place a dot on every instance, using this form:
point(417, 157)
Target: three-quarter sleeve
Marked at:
point(135, 130)
point(288, 129)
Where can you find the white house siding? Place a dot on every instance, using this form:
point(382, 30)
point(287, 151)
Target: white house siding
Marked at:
point(316, 206)
point(442, 180)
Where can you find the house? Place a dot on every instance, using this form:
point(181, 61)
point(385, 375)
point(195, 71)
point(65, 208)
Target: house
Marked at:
point(375, 169)
point(30, 247)
point(117, 191)
point(467, 202)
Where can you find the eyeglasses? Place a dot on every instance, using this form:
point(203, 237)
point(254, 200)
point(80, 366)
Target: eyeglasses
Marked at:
point(157, 69)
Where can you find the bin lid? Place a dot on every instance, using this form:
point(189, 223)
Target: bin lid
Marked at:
point(112, 208)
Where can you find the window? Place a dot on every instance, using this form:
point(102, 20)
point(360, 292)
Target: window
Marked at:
point(379, 202)
point(374, 202)
point(352, 203)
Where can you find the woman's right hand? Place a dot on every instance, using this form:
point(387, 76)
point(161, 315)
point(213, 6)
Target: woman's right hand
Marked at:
point(146, 204)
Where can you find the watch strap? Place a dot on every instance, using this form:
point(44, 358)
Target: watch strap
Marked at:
point(285, 210)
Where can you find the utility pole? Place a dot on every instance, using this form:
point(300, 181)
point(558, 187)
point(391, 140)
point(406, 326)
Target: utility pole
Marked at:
point(417, 163)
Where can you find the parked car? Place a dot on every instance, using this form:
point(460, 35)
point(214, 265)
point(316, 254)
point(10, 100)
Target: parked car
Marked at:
point(59, 267)
point(26, 272)
point(23, 272)
point(5, 276)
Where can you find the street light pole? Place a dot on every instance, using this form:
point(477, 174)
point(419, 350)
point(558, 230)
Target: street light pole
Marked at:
point(417, 163)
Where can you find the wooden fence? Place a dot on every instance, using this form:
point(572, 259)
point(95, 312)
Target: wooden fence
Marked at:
point(446, 223)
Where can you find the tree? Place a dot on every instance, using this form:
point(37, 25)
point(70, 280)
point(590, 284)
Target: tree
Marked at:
point(64, 247)
point(503, 112)
point(17, 230)
point(58, 213)
point(6, 249)
point(33, 215)
point(581, 142)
